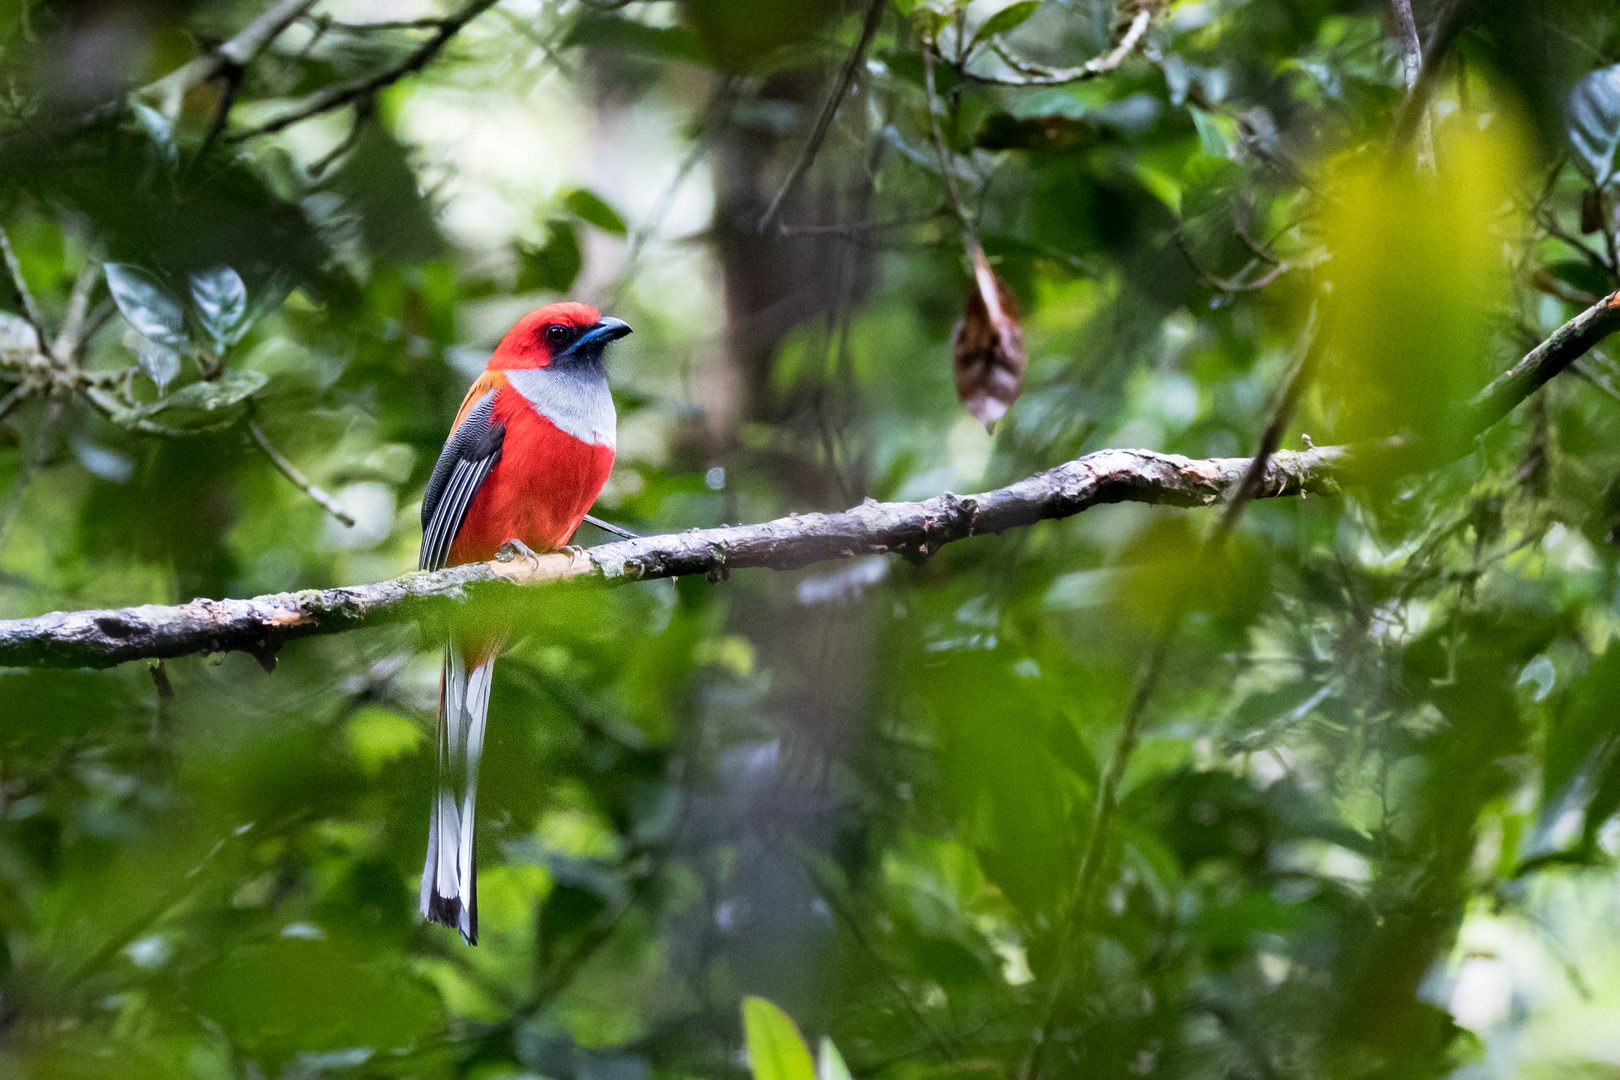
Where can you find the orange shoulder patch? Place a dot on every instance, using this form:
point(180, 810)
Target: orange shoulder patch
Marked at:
point(489, 380)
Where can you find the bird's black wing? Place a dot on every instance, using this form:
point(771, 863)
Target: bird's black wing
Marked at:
point(472, 451)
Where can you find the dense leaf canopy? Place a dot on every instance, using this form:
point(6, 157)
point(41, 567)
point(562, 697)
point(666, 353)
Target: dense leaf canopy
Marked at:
point(1301, 787)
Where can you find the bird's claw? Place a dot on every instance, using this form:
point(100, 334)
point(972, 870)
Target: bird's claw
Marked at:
point(517, 549)
point(575, 555)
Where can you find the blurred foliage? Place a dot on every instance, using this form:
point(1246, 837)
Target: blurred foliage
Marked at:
point(1370, 829)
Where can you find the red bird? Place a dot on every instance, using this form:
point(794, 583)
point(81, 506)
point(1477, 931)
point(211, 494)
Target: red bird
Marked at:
point(529, 452)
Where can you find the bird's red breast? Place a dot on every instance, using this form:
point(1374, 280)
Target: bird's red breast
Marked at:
point(541, 489)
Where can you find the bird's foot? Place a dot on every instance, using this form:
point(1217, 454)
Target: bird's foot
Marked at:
point(576, 555)
point(517, 549)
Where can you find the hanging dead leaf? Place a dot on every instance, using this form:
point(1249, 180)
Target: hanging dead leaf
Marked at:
point(988, 348)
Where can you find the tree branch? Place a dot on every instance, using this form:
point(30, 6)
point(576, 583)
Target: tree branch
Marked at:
point(1412, 63)
point(234, 54)
point(1565, 345)
point(1097, 65)
point(260, 626)
point(335, 97)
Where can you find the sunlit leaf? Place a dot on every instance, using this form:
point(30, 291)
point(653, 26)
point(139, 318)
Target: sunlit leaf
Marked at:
point(776, 1050)
point(1594, 122)
point(221, 301)
point(147, 304)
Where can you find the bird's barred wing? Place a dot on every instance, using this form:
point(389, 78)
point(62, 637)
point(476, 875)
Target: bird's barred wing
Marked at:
point(472, 451)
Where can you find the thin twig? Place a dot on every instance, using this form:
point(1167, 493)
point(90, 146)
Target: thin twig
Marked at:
point(1596, 258)
point(84, 285)
point(335, 97)
point(1097, 65)
point(718, 105)
point(13, 398)
point(1234, 284)
point(99, 316)
point(984, 277)
point(937, 133)
point(840, 90)
point(290, 471)
point(429, 23)
point(362, 113)
point(1412, 62)
point(30, 305)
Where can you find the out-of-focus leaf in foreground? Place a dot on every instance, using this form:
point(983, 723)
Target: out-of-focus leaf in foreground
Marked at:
point(1417, 277)
point(776, 1050)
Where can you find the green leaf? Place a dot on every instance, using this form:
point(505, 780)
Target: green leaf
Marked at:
point(147, 305)
point(627, 35)
point(221, 301)
point(554, 266)
point(1009, 17)
point(1594, 122)
point(830, 1063)
point(161, 131)
point(589, 208)
point(206, 399)
point(776, 1050)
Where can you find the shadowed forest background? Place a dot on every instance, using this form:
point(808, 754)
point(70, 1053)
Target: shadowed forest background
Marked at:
point(1368, 827)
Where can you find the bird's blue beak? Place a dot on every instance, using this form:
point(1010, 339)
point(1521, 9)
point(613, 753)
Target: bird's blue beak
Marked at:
point(599, 335)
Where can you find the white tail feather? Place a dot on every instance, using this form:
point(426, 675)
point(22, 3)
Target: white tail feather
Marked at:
point(450, 875)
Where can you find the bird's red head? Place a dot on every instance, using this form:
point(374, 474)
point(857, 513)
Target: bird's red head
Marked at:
point(547, 333)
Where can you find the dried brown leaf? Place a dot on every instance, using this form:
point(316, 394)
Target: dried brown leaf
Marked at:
point(988, 350)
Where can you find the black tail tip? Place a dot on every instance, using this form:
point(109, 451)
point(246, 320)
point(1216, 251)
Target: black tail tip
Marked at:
point(450, 911)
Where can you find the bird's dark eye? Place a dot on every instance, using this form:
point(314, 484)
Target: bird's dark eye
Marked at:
point(556, 335)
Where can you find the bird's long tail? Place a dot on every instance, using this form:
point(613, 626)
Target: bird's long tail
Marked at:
point(449, 879)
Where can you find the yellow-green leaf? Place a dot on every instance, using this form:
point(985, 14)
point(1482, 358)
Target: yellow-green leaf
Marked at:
point(776, 1050)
